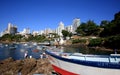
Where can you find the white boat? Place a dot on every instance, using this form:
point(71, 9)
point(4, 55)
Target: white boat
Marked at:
point(80, 64)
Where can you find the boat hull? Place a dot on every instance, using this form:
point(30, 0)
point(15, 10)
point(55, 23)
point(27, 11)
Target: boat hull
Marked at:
point(69, 68)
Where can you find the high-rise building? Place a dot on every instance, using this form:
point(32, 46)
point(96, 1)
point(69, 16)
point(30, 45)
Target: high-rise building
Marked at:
point(9, 27)
point(41, 32)
point(25, 31)
point(69, 28)
point(76, 23)
point(1, 34)
point(60, 28)
point(12, 29)
point(35, 33)
point(47, 31)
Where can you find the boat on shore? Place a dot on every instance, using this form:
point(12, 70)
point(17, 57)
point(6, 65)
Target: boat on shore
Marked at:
point(81, 64)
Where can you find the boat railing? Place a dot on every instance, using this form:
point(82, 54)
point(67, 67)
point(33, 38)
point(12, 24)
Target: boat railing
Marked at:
point(98, 58)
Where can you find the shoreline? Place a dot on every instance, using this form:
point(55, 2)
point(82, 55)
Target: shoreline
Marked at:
point(73, 45)
point(93, 48)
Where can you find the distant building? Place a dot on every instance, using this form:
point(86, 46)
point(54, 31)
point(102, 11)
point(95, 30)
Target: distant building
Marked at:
point(60, 28)
point(47, 31)
point(35, 33)
point(25, 31)
point(1, 34)
point(69, 28)
point(76, 23)
point(11, 29)
point(41, 32)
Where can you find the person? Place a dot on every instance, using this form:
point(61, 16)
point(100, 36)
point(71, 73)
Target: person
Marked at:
point(41, 56)
point(44, 55)
point(26, 54)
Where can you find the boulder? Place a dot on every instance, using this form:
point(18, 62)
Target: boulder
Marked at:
point(25, 67)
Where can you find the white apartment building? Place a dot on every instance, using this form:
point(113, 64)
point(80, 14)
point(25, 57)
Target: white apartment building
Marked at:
point(60, 28)
point(69, 28)
point(76, 23)
point(25, 31)
point(47, 31)
point(11, 29)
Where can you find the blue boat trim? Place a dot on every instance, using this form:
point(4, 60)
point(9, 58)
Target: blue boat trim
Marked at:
point(87, 63)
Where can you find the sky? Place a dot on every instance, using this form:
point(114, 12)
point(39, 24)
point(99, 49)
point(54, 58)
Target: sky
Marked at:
point(40, 14)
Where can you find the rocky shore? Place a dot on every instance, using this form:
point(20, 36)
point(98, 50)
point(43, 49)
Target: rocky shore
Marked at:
point(25, 67)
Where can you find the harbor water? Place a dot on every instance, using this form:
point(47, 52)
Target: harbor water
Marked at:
point(17, 51)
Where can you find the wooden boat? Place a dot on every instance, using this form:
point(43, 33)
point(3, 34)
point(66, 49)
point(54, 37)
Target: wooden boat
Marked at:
point(80, 64)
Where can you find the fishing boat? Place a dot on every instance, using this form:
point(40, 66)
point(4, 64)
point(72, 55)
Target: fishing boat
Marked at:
point(83, 64)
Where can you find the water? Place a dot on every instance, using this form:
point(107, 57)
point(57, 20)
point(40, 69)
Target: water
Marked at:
point(17, 51)
point(86, 50)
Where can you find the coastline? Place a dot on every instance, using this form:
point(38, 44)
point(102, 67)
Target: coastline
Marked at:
point(28, 66)
point(82, 45)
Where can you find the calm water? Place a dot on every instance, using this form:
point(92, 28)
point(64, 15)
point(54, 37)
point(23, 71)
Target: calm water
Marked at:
point(86, 50)
point(17, 51)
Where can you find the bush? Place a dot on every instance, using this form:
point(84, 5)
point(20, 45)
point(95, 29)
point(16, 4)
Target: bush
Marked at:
point(95, 42)
point(113, 42)
point(78, 41)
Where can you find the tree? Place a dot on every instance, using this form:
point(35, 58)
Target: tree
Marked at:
point(104, 23)
point(65, 33)
point(116, 22)
point(17, 38)
point(111, 33)
point(89, 28)
point(7, 37)
point(81, 29)
point(112, 42)
point(70, 34)
point(111, 28)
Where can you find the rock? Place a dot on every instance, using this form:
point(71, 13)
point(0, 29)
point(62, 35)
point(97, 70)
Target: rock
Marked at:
point(6, 65)
point(29, 65)
point(25, 67)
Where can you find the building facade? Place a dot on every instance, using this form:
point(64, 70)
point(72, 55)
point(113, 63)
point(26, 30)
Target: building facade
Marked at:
point(60, 28)
point(76, 23)
point(69, 28)
point(11, 29)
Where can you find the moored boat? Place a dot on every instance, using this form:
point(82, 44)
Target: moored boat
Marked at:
point(80, 64)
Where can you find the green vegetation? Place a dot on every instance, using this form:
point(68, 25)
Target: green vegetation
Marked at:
point(95, 42)
point(20, 38)
point(39, 38)
point(89, 28)
point(78, 41)
point(10, 38)
point(66, 34)
point(108, 32)
point(112, 42)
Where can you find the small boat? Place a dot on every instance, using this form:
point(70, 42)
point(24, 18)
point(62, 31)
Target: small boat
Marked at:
point(83, 64)
point(35, 50)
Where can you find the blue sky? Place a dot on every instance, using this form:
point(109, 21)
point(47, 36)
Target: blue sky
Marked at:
point(41, 14)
